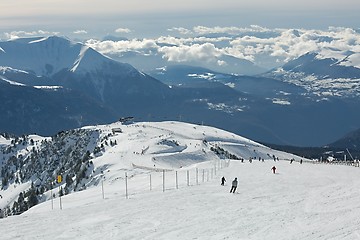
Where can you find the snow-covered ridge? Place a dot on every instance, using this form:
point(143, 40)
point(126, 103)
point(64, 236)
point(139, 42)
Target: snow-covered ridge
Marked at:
point(4, 141)
point(84, 156)
point(11, 82)
point(4, 69)
point(352, 60)
point(48, 87)
point(52, 55)
point(78, 60)
point(39, 40)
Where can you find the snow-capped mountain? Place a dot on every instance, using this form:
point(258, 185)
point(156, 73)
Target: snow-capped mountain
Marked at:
point(52, 54)
point(76, 66)
point(83, 157)
point(334, 75)
point(56, 62)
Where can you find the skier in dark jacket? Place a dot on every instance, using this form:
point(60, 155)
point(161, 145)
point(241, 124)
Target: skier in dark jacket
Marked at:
point(234, 185)
point(273, 169)
point(223, 180)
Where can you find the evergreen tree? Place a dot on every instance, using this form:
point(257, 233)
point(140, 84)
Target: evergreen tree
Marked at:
point(32, 198)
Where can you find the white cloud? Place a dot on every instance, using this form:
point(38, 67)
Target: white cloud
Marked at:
point(292, 43)
point(80, 32)
point(122, 30)
point(266, 47)
point(190, 40)
point(20, 34)
point(181, 30)
point(197, 52)
point(112, 47)
point(228, 30)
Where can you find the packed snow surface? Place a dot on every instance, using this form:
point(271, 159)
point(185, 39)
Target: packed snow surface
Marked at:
point(299, 201)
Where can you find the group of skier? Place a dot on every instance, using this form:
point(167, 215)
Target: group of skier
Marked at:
point(234, 183)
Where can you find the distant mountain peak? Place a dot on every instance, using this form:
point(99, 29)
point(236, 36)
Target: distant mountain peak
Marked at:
point(323, 73)
point(54, 54)
point(44, 56)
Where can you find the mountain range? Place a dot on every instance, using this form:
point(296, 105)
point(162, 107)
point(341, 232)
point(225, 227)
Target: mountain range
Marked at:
point(37, 73)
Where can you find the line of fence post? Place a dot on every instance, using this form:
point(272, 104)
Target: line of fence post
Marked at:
point(209, 175)
point(213, 174)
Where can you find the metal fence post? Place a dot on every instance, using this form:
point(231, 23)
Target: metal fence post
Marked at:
point(176, 180)
point(102, 189)
point(187, 175)
point(197, 181)
point(150, 182)
point(126, 185)
point(163, 180)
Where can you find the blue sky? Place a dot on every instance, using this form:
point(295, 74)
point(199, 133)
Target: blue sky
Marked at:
point(148, 18)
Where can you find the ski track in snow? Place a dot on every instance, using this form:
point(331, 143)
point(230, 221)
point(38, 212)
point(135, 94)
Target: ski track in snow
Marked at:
point(299, 202)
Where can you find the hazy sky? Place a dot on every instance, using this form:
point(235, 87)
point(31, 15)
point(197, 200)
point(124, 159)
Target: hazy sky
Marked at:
point(99, 17)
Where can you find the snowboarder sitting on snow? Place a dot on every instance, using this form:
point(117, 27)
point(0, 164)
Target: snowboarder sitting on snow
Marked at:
point(223, 180)
point(273, 169)
point(234, 185)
